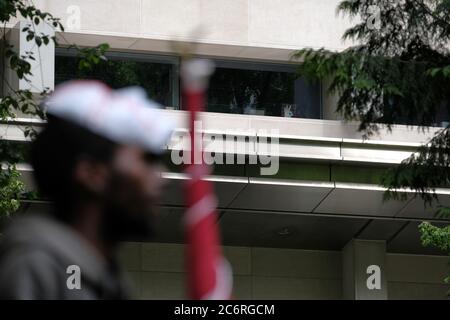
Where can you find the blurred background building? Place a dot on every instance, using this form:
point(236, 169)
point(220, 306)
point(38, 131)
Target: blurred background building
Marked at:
point(316, 228)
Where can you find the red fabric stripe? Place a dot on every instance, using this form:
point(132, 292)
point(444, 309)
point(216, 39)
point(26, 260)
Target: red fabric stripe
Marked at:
point(203, 248)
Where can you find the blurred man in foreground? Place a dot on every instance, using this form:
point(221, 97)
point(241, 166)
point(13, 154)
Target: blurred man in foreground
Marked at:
point(98, 160)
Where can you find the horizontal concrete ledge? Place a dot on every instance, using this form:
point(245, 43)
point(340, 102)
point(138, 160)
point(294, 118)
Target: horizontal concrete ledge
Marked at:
point(288, 128)
point(297, 196)
point(285, 182)
point(291, 213)
point(164, 45)
point(303, 139)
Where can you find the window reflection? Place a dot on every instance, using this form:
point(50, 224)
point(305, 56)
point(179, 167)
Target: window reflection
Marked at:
point(262, 92)
point(155, 78)
point(235, 87)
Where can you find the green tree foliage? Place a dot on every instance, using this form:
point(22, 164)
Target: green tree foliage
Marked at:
point(12, 101)
point(398, 72)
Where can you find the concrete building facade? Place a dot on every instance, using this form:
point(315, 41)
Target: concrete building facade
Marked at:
point(317, 228)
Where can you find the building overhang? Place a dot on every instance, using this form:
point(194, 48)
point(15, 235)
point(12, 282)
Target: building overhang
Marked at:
point(293, 209)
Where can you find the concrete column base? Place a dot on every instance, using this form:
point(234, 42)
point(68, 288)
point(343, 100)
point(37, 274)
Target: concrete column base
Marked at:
point(364, 270)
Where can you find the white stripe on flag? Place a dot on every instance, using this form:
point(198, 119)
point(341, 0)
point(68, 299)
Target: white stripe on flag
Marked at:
point(224, 282)
point(200, 209)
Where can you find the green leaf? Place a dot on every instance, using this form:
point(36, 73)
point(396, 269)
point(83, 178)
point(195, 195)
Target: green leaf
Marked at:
point(435, 71)
point(446, 71)
point(38, 41)
point(364, 83)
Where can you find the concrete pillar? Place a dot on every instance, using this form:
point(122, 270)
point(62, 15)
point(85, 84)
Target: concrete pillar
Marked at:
point(364, 270)
point(42, 68)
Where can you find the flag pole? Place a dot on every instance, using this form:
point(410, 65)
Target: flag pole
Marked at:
point(209, 273)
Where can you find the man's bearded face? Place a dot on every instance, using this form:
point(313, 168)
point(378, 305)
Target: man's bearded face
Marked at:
point(133, 192)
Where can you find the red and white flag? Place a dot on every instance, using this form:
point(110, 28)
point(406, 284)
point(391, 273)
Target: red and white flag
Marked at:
point(209, 273)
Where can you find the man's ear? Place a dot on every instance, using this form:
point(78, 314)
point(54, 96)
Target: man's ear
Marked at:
point(91, 174)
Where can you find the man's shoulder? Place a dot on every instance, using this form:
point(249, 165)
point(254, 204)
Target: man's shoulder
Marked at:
point(41, 258)
point(23, 247)
point(34, 258)
point(29, 272)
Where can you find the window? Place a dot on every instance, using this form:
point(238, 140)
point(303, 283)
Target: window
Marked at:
point(440, 118)
point(235, 87)
point(262, 89)
point(157, 75)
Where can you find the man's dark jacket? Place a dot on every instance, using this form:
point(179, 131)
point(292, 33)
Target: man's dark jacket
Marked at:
point(36, 255)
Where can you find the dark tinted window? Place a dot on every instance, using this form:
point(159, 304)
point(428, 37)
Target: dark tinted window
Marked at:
point(235, 87)
point(155, 78)
point(262, 89)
